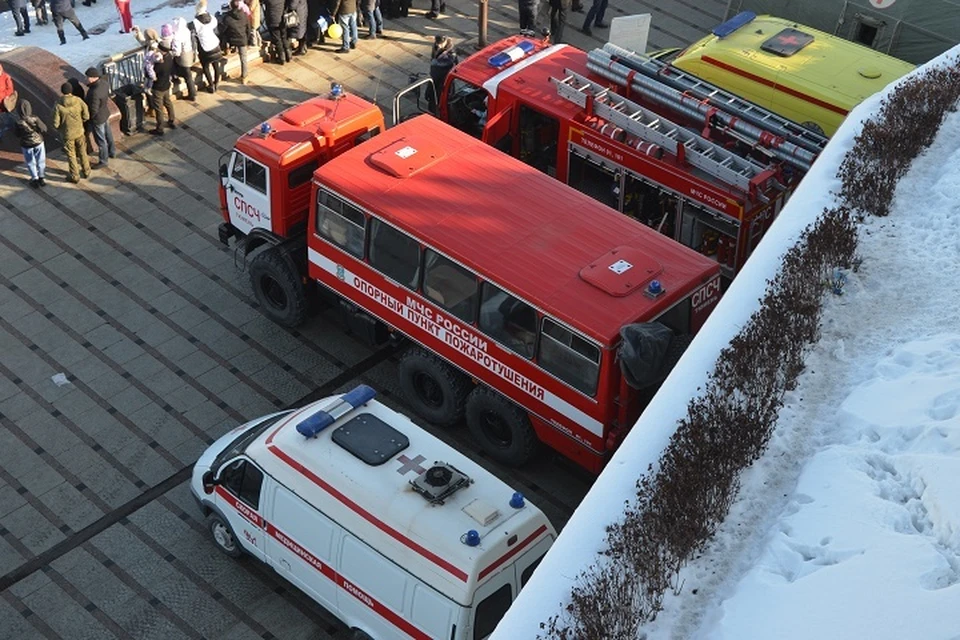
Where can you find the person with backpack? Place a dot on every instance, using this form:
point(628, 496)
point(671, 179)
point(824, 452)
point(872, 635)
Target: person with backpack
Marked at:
point(236, 31)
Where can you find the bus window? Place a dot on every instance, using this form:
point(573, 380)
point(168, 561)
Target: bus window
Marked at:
point(508, 320)
point(450, 285)
point(395, 254)
point(569, 357)
point(538, 140)
point(340, 223)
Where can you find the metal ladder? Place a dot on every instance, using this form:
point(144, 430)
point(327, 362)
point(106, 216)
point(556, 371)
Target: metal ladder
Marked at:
point(672, 76)
point(648, 126)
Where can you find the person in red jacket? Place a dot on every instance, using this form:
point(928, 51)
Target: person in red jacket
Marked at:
point(8, 95)
point(126, 17)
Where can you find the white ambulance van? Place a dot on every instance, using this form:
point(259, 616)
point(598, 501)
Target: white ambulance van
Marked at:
point(384, 525)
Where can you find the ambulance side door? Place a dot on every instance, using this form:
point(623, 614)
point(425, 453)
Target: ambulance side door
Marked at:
point(247, 187)
point(300, 545)
point(238, 497)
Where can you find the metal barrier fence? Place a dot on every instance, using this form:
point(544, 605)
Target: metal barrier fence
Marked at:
point(124, 69)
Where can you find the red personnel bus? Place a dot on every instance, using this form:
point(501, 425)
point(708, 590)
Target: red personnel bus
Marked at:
point(516, 288)
point(699, 165)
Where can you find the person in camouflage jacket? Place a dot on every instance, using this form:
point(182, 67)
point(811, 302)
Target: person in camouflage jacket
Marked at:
point(69, 116)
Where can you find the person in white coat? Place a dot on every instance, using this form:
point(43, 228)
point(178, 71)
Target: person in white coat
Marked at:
point(205, 26)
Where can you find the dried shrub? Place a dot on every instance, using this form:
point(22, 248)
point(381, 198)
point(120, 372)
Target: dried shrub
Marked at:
point(680, 503)
point(907, 123)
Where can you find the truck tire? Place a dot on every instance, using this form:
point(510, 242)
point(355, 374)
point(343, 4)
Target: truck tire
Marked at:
point(500, 427)
point(278, 289)
point(434, 389)
point(223, 536)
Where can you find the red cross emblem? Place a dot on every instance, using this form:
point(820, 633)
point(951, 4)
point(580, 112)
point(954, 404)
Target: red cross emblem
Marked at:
point(410, 465)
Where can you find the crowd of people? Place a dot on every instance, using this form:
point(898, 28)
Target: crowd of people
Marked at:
point(60, 10)
point(142, 83)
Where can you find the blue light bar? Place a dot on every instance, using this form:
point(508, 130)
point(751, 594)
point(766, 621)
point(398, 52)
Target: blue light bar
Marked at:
point(312, 425)
point(512, 54)
point(724, 29)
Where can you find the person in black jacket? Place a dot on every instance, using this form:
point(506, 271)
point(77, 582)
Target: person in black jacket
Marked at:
point(63, 10)
point(273, 17)
point(236, 31)
point(298, 32)
point(98, 98)
point(163, 68)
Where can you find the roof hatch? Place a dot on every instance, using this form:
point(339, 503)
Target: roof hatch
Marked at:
point(621, 271)
point(371, 439)
point(407, 156)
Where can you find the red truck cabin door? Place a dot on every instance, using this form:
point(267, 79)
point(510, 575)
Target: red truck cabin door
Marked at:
point(247, 187)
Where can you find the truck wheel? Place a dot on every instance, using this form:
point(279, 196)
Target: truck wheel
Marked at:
point(278, 290)
point(434, 389)
point(501, 427)
point(359, 634)
point(223, 536)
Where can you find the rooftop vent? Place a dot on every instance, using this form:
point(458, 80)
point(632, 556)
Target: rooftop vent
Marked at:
point(439, 482)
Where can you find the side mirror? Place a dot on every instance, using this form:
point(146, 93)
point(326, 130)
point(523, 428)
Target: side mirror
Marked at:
point(209, 482)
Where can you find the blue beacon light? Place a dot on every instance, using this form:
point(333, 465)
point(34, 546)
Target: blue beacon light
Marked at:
point(514, 53)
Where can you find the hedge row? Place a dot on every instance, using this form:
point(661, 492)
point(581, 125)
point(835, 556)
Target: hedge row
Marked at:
point(679, 505)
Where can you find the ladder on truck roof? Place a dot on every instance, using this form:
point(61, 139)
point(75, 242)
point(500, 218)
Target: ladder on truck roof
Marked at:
point(650, 127)
point(614, 64)
point(672, 76)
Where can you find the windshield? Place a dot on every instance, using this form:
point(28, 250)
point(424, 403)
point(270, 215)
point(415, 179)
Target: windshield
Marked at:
point(241, 442)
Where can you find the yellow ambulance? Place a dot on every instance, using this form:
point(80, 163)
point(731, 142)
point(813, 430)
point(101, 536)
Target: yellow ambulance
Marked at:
point(809, 76)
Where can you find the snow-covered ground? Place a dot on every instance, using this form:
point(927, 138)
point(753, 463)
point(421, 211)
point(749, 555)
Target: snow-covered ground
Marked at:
point(849, 525)
point(102, 22)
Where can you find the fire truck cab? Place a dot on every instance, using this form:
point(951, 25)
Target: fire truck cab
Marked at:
point(540, 314)
point(265, 190)
point(699, 165)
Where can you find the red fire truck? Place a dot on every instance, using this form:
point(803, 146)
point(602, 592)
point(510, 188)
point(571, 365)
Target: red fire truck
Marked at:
point(696, 163)
point(265, 191)
point(534, 307)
